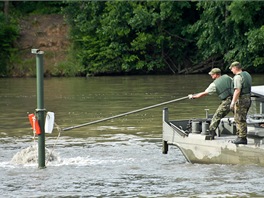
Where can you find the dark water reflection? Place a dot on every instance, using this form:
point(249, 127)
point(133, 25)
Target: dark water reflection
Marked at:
point(116, 158)
point(80, 100)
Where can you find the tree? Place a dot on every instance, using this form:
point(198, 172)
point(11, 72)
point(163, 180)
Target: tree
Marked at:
point(8, 34)
point(224, 32)
point(6, 8)
point(256, 47)
point(249, 33)
point(116, 37)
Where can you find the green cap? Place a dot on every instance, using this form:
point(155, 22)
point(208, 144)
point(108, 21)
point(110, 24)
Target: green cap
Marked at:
point(215, 71)
point(235, 64)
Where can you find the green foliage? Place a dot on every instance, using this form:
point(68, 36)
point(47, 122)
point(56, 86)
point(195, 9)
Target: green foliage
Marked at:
point(231, 30)
point(67, 68)
point(249, 32)
point(37, 7)
point(149, 36)
point(256, 47)
point(8, 34)
point(118, 37)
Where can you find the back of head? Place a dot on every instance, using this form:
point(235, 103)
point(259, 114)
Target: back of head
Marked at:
point(235, 64)
point(215, 71)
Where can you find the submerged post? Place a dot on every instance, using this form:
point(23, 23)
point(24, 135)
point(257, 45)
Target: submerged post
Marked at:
point(40, 106)
point(165, 118)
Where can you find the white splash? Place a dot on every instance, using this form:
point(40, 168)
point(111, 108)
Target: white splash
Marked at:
point(29, 155)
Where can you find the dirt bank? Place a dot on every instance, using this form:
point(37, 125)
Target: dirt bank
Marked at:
point(48, 33)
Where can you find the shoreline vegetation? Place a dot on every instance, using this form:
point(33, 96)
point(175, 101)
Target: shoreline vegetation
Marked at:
point(130, 38)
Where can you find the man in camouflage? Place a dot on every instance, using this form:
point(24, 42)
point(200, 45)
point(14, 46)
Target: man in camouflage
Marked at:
point(222, 86)
point(241, 100)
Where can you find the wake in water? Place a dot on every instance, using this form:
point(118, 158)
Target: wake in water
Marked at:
point(30, 156)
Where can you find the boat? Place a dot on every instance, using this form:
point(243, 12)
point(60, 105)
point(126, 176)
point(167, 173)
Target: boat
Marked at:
point(192, 137)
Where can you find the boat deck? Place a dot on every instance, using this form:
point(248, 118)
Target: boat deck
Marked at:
point(197, 145)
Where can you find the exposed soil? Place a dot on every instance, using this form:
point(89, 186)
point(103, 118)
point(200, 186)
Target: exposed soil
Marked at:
point(49, 33)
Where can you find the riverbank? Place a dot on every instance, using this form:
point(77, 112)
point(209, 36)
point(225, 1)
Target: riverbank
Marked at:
point(49, 33)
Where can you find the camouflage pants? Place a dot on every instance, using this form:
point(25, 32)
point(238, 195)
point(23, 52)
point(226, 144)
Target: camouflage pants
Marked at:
point(222, 111)
point(241, 109)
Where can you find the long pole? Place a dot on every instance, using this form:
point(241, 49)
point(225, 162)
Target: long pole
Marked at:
point(124, 114)
point(40, 106)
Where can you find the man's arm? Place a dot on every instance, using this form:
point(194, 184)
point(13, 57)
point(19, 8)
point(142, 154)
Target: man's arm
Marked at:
point(210, 90)
point(236, 95)
point(235, 98)
point(199, 95)
point(237, 90)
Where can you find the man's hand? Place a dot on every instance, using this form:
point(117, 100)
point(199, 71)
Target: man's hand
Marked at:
point(190, 96)
point(232, 106)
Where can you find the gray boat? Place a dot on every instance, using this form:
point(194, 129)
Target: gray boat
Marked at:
point(192, 137)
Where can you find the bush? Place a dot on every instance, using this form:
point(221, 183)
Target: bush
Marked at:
point(8, 34)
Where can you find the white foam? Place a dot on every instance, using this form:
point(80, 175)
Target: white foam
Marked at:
point(29, 155)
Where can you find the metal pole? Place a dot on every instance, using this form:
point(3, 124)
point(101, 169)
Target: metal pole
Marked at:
point(123, 114)
point(40, 106)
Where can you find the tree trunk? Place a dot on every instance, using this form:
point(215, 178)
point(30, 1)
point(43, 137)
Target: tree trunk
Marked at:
point(6, 8)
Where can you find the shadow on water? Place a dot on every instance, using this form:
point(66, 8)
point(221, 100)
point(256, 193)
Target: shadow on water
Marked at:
point(118, 158)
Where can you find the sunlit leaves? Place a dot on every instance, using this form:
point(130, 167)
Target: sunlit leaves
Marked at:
point(256, 45)
point(230, 29)
point(128, 36)
point(145, 36)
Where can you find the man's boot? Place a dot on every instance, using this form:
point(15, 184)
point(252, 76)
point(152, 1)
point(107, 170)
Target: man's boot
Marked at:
point(240, 140)
point(211, 135)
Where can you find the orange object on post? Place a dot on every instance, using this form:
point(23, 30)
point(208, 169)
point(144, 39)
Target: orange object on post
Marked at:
point(34, 123)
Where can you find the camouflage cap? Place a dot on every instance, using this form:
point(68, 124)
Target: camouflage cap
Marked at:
point(235, 64)
point(215, 71)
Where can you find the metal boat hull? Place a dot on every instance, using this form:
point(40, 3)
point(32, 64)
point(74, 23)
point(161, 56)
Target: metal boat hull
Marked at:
point(196, 144)
point(221, 150)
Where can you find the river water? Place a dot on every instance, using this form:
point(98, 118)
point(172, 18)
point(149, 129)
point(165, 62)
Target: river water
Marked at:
point(121, 157)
